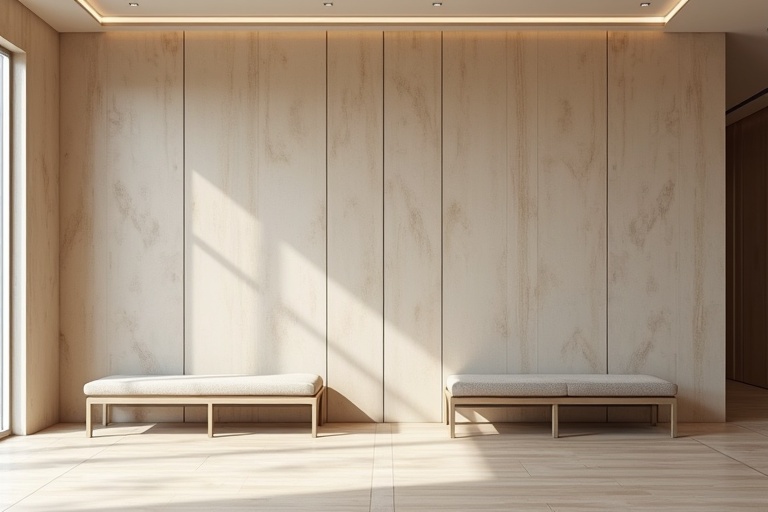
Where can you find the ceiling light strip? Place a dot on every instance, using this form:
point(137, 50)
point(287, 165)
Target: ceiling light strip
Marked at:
point(674, 11)
point(90, 10)
point(379, 20)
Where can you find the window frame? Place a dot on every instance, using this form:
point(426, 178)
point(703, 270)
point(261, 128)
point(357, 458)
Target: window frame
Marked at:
point(6, 112)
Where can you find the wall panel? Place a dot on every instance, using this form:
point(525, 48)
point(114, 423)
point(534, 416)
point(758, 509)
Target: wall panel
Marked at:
point(475, 320)
point(222, 225)
point(42, 223)
point(144, 206)
point(355, 226)
point(522, 212)
point(572, 203)
point(83, 240)
point(643, 203)
point(412, 245)
point(291, 149)
point(572, 207)
point(522, 201)
point(700, 358)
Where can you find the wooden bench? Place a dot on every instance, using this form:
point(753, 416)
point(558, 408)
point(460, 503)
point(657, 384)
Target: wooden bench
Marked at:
point(557, 390)
point(210, 390)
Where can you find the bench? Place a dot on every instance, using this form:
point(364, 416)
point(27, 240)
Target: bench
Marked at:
point(556, 390)
point(210, 390)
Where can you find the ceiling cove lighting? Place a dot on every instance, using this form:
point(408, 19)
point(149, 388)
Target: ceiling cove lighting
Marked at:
point(659, 21)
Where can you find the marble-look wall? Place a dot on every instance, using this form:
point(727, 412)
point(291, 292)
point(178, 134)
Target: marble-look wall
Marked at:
point(700, 347)
point(122, 253)
point(412, 242)
point(355, 226)
point(385, 209)
point(644, 203)
point(221, 206)
point(666, 214)
point(34, 48)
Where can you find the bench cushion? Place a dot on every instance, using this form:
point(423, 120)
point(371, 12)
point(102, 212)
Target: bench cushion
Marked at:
point(505, 385)
point(291, 384)
point(559, 385)
point(619, 385)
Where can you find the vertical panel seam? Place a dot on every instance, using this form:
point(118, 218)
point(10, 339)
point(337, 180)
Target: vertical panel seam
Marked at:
point(442, 220)
point(507, 200)
point(383, 224)
point(607, 163)
point(327, 344)
point(184, 211)
point(538, 196)
point(102, 51)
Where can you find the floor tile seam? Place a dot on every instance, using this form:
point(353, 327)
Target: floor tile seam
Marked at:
point(730, 457)
point(378, 447)
point(745, 427)
point(373, 468)
point(49, 482)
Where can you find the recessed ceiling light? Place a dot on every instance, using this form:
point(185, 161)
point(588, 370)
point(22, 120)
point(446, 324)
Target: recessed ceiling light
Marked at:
point(645, 4)
point(133, 4)
point(328, 4)
point(437, 4)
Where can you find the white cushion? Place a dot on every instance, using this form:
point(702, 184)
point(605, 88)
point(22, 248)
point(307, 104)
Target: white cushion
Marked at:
point(559, 385)
point(505, 385)
point(290, 384)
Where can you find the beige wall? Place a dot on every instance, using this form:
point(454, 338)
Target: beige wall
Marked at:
point(35, 288)
point(389, 208)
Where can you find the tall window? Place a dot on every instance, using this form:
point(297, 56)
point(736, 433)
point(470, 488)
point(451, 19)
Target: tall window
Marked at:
point(5, 246)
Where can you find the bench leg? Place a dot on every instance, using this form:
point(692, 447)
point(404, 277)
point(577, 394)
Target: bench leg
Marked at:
point(323, 418)
point(654, 414)
point(445, 408)
point(555, 421)
point(88, 423)
point(105, 415)
point(673, 419)
point(210, 420)
point(315, 417)
point(452, 417)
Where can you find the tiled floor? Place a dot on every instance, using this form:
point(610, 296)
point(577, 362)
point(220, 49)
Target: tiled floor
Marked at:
point(402, 467)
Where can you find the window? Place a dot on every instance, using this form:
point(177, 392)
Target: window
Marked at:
point(5, 170)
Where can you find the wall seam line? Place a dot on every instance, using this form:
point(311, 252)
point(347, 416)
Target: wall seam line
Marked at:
point(184, 211)
point(442, 221)
point(327, 309)
point(607, 163)
point(607, 191)
point(383, 224)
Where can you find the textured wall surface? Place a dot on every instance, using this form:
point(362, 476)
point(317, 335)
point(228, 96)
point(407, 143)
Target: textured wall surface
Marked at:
point(412, 245)
point(385, 209)
point(355, 226)
point(123, 221)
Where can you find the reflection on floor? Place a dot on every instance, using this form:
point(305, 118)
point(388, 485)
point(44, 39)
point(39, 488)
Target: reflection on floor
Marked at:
point(712, 467)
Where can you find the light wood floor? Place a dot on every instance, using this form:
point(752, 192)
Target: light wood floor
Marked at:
point(396, 467)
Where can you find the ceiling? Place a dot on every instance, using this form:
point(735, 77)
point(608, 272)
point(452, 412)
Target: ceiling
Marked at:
point(744, 21)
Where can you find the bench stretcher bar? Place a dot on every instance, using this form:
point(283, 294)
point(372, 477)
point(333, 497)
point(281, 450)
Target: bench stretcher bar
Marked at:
point(316, 402)
point(452, 402)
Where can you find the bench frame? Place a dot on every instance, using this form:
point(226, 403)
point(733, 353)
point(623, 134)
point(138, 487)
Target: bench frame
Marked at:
point(316, 402)
point(452, 402)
